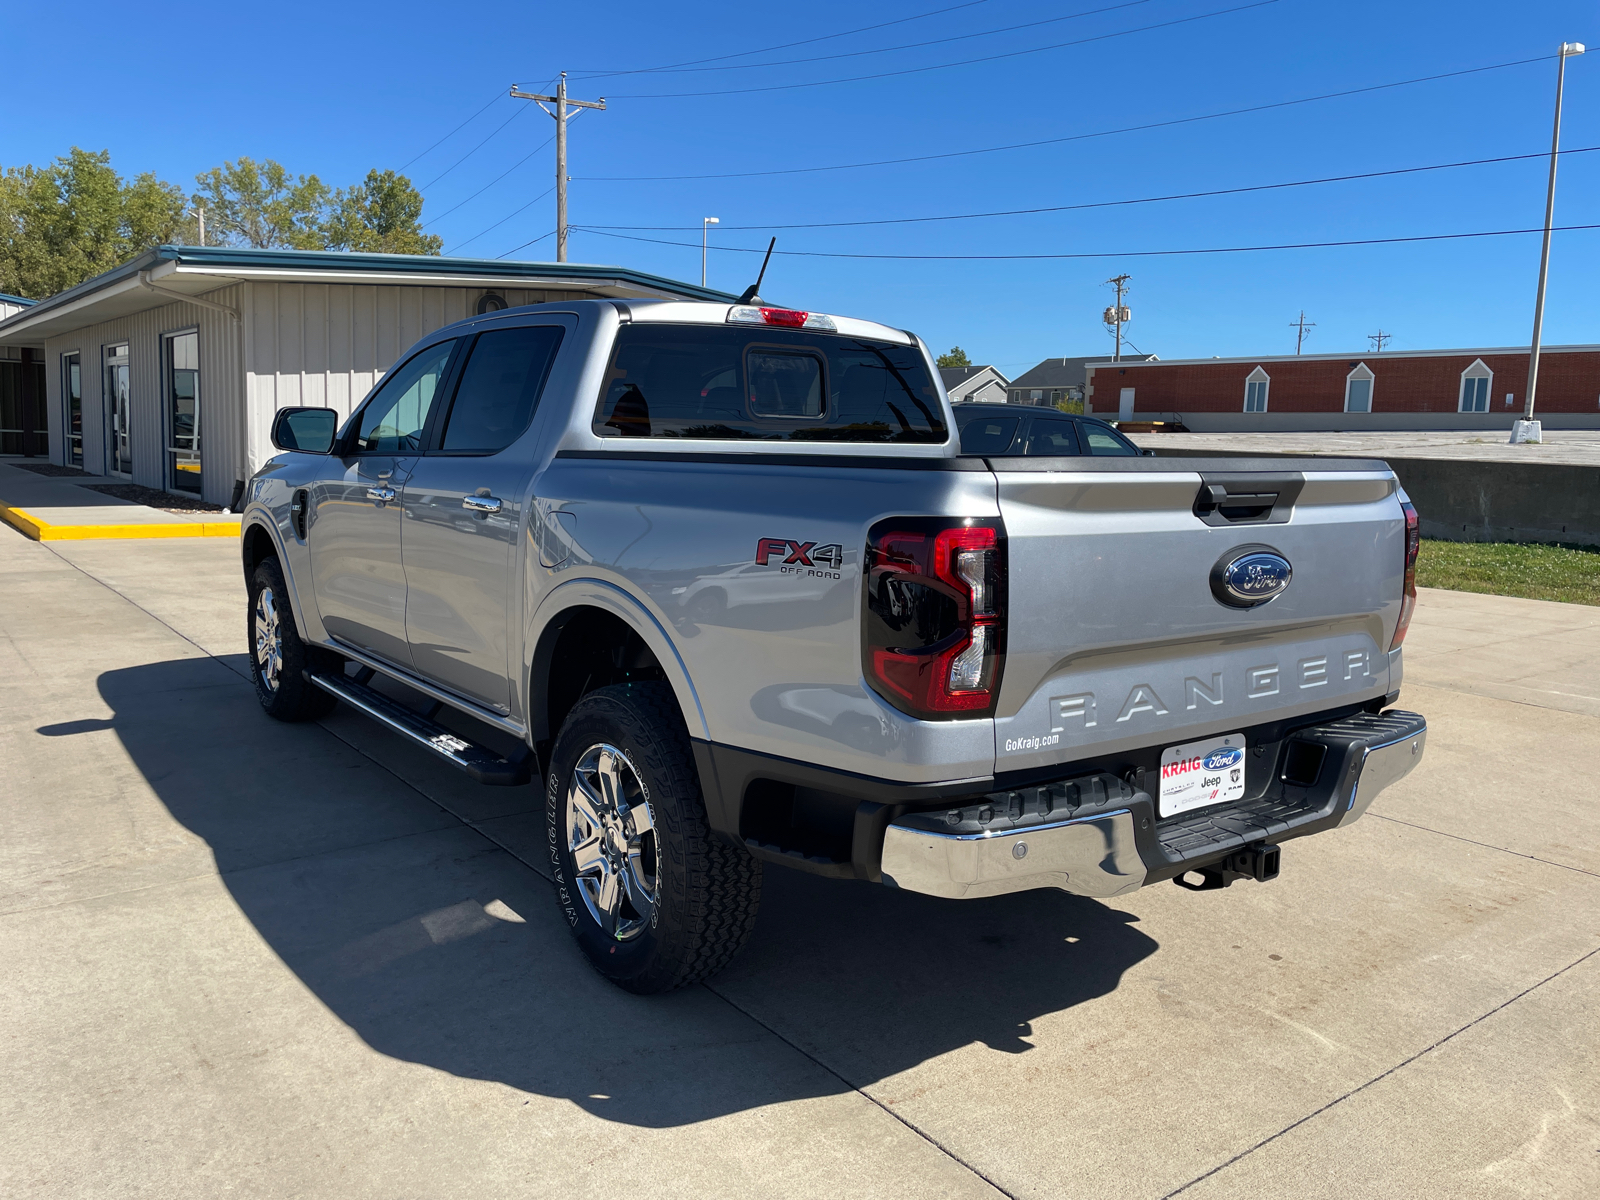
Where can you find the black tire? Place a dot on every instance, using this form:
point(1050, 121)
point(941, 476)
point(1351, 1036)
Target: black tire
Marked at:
point(700, 892)
point(269, 622)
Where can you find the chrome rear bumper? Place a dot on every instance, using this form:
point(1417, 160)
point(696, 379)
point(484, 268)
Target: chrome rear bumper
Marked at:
point(1092, 856)
point(1099, 836)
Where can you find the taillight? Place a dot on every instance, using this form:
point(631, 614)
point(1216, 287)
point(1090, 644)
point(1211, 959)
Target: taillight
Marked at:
point(1408, 596)
point(788, 318)
point(934, 629)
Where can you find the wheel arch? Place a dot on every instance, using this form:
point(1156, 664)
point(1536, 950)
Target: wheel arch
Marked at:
point(603, 608)
point(259, 541)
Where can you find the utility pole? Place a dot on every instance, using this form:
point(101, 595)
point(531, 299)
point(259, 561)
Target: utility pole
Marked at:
point(1378, 339)
point(1302, 325)
point(562, 116)
point(1528, 432)
point(1117, 315)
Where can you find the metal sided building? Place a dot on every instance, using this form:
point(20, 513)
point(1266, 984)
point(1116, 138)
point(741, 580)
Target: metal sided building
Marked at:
point(167, 370)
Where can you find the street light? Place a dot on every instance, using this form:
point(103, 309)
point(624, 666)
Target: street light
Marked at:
point(1527, 429)
point(705, 225)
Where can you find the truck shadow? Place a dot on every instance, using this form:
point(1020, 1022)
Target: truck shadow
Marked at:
point(437, 947)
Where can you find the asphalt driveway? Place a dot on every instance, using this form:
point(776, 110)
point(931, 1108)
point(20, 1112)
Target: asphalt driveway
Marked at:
point(252, 959)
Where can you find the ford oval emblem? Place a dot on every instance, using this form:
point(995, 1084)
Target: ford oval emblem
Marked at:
point(1249, 576)
point(1221, 760)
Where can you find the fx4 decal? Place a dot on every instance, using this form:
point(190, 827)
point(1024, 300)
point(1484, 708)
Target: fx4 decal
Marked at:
point(801, 554)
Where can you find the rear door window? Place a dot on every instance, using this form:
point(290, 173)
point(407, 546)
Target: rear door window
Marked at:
point(708, 381)
point(1052, 436)
point(499, 388)
point(988, 435)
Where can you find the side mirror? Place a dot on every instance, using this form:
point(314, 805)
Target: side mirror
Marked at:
point(308, 430)
point(1147, 453)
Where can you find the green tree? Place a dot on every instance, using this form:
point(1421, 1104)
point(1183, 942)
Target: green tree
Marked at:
point(381, 215)
point(75, 218)
point(262, 205)
point(956, 357)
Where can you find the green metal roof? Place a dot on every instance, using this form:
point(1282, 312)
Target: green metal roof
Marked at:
point(222, 259)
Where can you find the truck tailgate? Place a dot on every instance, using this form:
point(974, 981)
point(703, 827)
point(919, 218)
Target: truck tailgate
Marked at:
point(1115, 639)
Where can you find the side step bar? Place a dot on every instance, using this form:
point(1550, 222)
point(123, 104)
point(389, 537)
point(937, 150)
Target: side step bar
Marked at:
point(479, 762)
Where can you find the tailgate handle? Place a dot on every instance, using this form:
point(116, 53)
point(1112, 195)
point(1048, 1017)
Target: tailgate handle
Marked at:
point(1242, 500)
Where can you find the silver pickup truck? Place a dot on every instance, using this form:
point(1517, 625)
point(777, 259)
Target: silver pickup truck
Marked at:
point(723, 577)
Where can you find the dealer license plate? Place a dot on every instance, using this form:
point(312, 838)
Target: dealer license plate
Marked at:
point(1199, 774)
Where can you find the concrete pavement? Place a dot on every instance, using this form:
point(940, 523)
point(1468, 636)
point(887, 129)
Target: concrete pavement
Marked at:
point(57, 508)
point(276, 960)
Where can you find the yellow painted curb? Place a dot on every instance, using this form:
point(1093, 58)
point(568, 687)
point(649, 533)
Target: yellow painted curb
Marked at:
point(42, 531)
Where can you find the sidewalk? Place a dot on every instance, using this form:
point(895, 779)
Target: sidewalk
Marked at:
point(50, 509)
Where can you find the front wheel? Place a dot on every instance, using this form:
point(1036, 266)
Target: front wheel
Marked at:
point(279, 656)
point(654, 899)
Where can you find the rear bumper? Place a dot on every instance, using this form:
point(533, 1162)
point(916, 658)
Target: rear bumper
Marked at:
point(1100, 835)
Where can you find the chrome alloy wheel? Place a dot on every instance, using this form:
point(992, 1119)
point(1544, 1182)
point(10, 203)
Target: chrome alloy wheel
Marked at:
point(269, 639)
point(612, 839)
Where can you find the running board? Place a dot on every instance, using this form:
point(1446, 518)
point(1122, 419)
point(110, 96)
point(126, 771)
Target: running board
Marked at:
point(479, 762)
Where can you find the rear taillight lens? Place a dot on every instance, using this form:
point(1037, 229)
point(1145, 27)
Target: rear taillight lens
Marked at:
point(934, 629)
point(1408, 596)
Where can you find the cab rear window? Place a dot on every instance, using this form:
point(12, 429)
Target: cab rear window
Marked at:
point(707, 381)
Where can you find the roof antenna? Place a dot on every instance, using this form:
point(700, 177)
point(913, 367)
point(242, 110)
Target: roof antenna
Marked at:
point(753, 292)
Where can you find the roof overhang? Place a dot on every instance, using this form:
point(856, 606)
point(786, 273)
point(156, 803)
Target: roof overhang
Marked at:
point(196, 271)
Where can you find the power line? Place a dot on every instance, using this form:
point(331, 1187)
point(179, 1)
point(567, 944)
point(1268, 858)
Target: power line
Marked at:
point(827, 37)
point(959, 37)
point(1430, 237)
point(493, 181)
point(504, 219)
point(1076, 137)
point(473, 151)
point(451, 134)
point(1055, 208)
point(525, 245)
point(966, 62)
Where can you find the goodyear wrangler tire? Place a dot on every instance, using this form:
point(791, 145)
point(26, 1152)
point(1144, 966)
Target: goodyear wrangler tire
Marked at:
point(653, 898)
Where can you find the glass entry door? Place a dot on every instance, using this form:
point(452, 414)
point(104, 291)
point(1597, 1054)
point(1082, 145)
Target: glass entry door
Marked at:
point(119, 450)
point(183, 409)
point(72, 393)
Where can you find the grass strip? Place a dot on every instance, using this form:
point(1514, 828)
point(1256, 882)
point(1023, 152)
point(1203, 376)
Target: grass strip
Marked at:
point(1567, 574)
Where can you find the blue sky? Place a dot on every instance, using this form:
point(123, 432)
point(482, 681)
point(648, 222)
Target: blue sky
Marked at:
point(337, 89)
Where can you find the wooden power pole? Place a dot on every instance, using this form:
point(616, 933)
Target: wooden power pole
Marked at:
point(561, 115)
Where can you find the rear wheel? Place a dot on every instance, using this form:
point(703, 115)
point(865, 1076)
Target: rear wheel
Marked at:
point(278, 655)
point(654, 899)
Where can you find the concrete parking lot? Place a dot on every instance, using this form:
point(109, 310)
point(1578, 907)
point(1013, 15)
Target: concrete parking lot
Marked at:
point(252, 959)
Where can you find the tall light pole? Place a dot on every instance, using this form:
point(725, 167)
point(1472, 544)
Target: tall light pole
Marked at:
point(1527, 430)
point(705, 225)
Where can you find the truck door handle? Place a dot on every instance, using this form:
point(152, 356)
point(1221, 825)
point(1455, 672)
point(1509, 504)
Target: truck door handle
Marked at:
point(483, 504)
point(383, 493)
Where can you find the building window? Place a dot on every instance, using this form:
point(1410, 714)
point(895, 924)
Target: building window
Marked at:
point(1358, 389)
point(1475, 382)
point(1035, 395)
point(118, 405)
point(72, 402)
point(183, 409)
point(1255, 390)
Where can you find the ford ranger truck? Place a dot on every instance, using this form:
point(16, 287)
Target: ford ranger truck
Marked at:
point(722, 578)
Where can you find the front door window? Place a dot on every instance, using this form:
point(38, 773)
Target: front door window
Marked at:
point(72, 392)
point(183, 409)
point(119, 448)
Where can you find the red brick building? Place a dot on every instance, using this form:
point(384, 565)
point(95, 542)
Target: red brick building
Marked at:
point(1425, 389)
